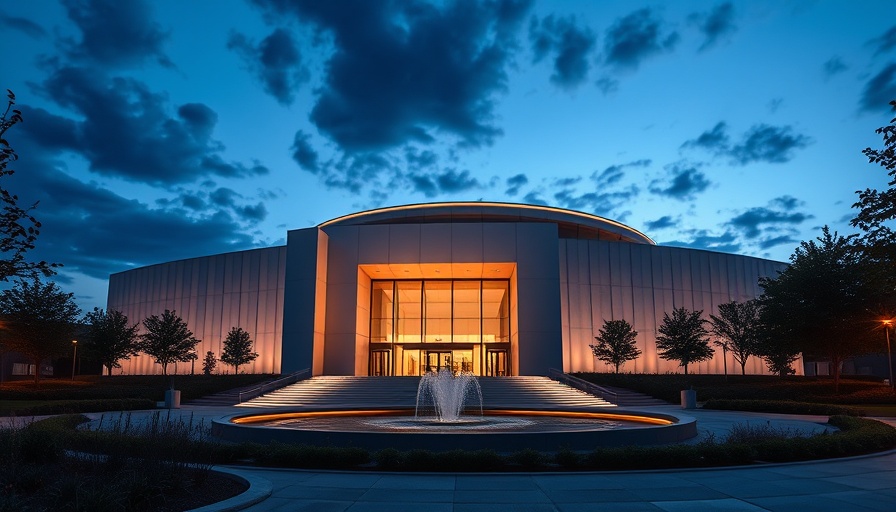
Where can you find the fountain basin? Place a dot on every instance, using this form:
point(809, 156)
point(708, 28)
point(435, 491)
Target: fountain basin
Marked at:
point(502, 430)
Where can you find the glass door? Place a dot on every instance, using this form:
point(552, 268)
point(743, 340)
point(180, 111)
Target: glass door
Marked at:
point(380, 363)
point(437, 360)
point(496, 363)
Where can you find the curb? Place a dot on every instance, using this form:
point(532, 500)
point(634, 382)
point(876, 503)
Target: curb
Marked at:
point(259, 490)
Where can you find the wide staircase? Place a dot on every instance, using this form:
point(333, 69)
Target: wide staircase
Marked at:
point(524, 392)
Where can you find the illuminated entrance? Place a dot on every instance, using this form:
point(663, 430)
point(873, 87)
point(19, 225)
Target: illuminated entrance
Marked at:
point(424, 325)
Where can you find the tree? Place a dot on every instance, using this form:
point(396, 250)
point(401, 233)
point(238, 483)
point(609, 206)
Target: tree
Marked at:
point(167, 340)
point(819, 304)
point(209, 363)
point(616, 343)
point(40, 320)
point(237, 349)
point(877, 212)
point(109, 337)
point(683, 338)
point(18, 227)
point(736, 330)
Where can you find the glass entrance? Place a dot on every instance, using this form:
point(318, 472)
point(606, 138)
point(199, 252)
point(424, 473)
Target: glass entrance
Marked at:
point(496, 363)
point(439, 324)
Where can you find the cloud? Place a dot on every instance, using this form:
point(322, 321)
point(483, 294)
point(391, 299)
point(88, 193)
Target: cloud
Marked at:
point(125, 130)
point(614, 173)
point(416, 159)
point(514, 183)
point(94, 231)
point(683, 183)
point(401, 71)
point(448, 181)
point(705, 239)
point(275, 61)
point(664, 222)
point(714, 25)
point(23, 25)
point(571, 47)
point(534, 198)
point(879, 90)
point(761, 143)
point(833, 66)
point(603, 200)
point(303, 153)
point(780, 212)
point(115, 33)
point(885, 42)
point(635, 37)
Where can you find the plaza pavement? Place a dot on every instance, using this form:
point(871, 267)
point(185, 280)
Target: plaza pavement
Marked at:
point(858, 484)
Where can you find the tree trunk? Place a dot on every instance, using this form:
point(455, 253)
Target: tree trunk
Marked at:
point(37, 371)
point(743, 367)
point(685, 369)
point(835, 363)
point(725, 362)
point(617, 368)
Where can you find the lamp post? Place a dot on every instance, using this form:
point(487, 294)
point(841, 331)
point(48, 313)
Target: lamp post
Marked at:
point(74, 357)
point(887, 324)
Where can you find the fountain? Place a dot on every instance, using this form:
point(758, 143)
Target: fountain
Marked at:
point(437, 422)
point(447, 393)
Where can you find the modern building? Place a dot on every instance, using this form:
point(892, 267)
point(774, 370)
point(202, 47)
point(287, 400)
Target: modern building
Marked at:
point(492, 288)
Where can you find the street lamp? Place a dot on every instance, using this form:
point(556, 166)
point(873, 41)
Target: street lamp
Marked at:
point(887, 324)
point(75, 357)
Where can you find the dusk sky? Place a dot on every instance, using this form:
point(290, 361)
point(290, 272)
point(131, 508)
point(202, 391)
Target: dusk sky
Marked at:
point(169, 129)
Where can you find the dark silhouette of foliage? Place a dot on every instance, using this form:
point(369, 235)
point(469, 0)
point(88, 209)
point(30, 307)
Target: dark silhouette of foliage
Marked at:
point(109, 337)
point(683, 338)
point(209, 364)
point(616, 343)
point(167, 340)
point(237, 349)
point(736, 331)
point(18, 227)
point(819, 304)
point(39, 319)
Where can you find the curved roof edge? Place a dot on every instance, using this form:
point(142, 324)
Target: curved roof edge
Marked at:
point(487, 212)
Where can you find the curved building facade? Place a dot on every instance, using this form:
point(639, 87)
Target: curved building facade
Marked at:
point(492, 288)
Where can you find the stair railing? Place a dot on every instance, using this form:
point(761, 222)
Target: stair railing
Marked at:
point(292, 378)
point(583, 385)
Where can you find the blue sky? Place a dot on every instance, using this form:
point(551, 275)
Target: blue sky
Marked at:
point(163, 130)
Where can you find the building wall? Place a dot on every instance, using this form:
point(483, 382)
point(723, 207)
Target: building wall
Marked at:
point(212, 294)
point(639, 283)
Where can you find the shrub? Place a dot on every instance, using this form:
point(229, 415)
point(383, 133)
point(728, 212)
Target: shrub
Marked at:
point(782, 407)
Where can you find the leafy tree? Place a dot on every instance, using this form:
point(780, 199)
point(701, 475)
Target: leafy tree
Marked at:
point(209, 363)
point(777, 354)
point(40, 320)
point(683, 338)
point(616, 343)
point(877, 213)
point(819, 304)
point(109, 337)
point(167, 340)
point(736, 330)
point(237, 349)
point(18, 227)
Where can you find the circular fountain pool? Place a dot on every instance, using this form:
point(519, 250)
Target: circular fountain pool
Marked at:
point(501, 430)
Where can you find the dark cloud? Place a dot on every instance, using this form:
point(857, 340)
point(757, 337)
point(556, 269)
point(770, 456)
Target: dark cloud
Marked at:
point(714, 25)
point(23, 25)
point(275, 61)
point(664, 222)
point(614, 173)
point(833, 66)
point(775, 241)
point(884, 43)
point(880, 90)
point(304, 153)
point(634, 37)
point(683, 183)
point(603, 200)
point(514, 183)
point(781, 212)
point(115, 33)
point(534, 198)
point(448, 181)
point(570, 46)
point(416, 159)
point(715, 140)
point(94, 231)
point(761, 143)
point(125, 130)
point(400, 71)
point(705, 239)
point(764, 143)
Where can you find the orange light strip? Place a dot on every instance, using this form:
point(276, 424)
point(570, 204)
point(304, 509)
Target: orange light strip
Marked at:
point(259, 418)
point(553, 209)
